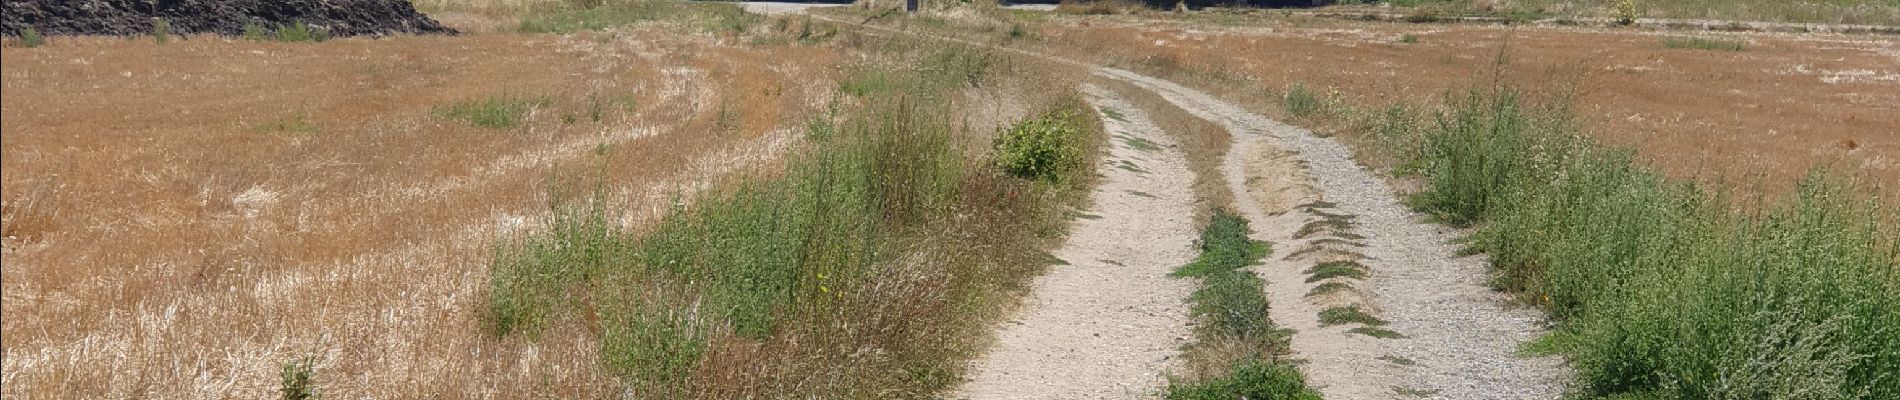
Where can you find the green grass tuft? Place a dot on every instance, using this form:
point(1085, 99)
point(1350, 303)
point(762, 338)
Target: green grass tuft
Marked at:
point(1701, 43)
point(297, 380)
point(1347, 315)
point(1336, 269)
point(161, 30)
point(1381, 333)
point(30, 37)
point(498, 112)
point(1301, 101)
point(1328, 288)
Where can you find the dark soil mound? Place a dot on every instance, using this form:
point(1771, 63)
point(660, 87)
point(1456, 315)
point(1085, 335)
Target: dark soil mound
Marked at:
point(225, 17)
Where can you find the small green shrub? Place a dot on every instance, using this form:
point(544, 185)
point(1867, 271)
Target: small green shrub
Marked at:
point(256, 32)
point(1301, 101)
point(298, 380)
point(1253, 380)
point(1047, 147)
point(300, 32)
point(498, 112)
point(1408, 39)
point(1626, 11)
point(161, 30)
point(30, 37)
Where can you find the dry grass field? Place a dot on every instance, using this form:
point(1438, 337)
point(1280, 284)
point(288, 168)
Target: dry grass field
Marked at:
point(183, 219)
point(666, 199)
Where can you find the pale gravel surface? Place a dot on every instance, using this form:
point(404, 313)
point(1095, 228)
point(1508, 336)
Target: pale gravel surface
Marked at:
point(1463, 338)
point(1110, 324)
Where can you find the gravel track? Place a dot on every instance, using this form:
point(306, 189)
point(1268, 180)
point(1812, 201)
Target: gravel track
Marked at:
point(1462, 339)
point(1109, 324)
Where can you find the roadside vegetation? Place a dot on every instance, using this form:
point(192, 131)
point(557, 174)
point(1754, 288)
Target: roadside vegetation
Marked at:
point(863, 269)
point(1874, 12)
point(1666, 289)
point(1238, 351)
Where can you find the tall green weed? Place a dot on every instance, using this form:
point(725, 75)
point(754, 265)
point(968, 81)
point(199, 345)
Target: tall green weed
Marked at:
point(1667, 289)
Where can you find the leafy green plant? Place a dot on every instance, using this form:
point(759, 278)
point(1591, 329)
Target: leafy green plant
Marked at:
point(1047, 147)
point(1626, 11)
point(298, 380)
point(1408, 39)
point(1253, 380)
point(30, 37)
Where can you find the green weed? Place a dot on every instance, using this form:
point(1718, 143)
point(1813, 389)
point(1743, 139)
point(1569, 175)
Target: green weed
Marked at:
point(30, 37)
point(1347, 315)
point(1668, 289)
point(1376, 332)
point(1048, 147)
point(1231, 308)
point(161, 30)
point(1702, 43)
point(1328, 288)
point(1335, 269)
point(1301, 101)
point(1253, 380)
point(498, 112)
point(297, 380)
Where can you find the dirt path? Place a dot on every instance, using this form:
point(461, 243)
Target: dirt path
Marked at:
point(1108, 324)
point(1460, 340)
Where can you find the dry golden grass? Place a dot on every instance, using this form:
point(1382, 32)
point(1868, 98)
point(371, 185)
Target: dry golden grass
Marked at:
point(182, 219)
point(1768, 113)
